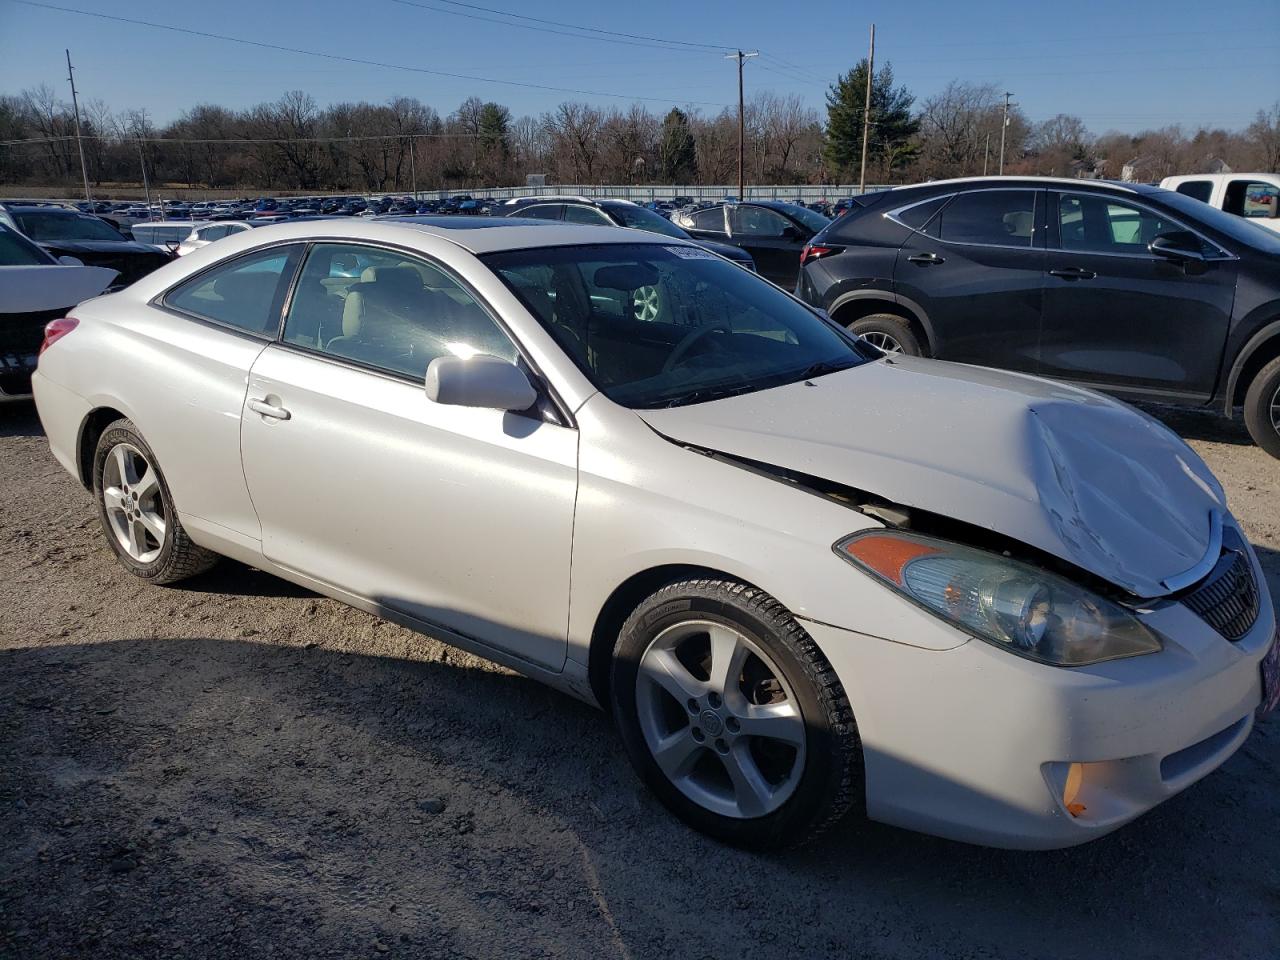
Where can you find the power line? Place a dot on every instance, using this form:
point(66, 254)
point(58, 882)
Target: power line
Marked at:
point(607, 36)
point(262, 44)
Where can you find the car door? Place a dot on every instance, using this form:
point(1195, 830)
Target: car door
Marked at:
point(1120, 317)
point(454, 516)
point(976, 269)
point(773, 241)
point(709, 223)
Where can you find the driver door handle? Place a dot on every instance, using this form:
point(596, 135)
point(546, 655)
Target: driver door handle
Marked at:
point(926, 258)
point(1073, 273)
point(269, 410)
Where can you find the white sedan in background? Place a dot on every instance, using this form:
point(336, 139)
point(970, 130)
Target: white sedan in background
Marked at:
point(204, 235)
point(804, 577)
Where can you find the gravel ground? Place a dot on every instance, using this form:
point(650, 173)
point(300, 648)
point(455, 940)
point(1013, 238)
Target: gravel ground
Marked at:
point(237, 768)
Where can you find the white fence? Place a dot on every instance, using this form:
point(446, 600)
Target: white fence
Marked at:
point(806, 192)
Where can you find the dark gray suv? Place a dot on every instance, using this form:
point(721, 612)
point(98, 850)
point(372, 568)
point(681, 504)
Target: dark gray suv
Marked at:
point(1125, 288)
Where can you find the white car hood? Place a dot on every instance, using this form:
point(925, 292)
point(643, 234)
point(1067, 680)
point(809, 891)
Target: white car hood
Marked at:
point(1078, 475)
point(28, 289)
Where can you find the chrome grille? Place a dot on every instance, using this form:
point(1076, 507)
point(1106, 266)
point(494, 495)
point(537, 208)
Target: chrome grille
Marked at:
point(1227, 599)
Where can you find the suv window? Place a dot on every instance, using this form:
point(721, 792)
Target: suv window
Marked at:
point(1004, 218)
point(542, 211)
point(1252, 198)
point(921, 216)
point(398, 314)
point(577, 213)
point(748, 221)
point(1093, 224)
point(212, 233)
point(710, 220)
point(1200, 190)
point(246, 293)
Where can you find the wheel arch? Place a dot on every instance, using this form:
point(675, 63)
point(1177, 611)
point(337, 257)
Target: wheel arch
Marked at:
point(622, 601)
point(94, 425)
point(1262, 348)
point(853, 306)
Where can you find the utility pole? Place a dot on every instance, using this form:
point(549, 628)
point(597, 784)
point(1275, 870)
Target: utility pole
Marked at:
point(75, 104)
point(146, 188)
point(1003, 127)
point(413, 169)
point(866, 110)
point(986, 154)
point(741, 58)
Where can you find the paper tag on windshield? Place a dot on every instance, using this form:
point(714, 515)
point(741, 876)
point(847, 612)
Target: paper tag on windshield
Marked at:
point(692, 253)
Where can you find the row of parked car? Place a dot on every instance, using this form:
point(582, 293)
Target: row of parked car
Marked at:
point(1146, 292)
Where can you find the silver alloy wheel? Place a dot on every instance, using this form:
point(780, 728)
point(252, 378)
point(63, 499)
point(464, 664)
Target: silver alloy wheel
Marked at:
point(706, 726)
point(646, 302)
point(883, 341)
point(134, 502)
point(1275, 411)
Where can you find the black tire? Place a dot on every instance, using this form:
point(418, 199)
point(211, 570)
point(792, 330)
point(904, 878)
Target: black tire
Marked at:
point(831, 781)
point(880, 327)
point(1262, 408)
point(178, 557)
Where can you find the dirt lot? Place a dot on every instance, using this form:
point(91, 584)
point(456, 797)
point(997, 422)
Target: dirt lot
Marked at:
point(237, 768)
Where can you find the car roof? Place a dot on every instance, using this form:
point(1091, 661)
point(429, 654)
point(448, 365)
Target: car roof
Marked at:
point(479, 235)
point(1033, 181)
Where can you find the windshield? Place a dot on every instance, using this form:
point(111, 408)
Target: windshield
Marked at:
point(1237, 228)
point(643, 219)
point(810, 218)
point(17, 251)
point(42, 226)
point(658, 326)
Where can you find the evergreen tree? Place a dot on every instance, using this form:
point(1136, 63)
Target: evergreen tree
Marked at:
point(892, 124)
point(677, 151)
point(495, 133)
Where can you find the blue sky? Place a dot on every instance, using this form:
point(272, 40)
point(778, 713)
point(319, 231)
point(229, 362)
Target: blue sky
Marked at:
point(1119, 65)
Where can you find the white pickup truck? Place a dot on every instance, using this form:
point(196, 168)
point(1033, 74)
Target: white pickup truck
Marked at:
point(1255, 196)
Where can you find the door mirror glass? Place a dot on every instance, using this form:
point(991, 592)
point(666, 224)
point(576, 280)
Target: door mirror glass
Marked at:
point(479, 381)
point(1177, 245)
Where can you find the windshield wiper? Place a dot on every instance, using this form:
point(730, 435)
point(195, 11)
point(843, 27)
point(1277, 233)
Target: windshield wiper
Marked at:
point(703, 394)
point(823, 367)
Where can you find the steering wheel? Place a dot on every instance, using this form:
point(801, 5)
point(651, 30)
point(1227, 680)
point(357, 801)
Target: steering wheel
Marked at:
point(689, 339)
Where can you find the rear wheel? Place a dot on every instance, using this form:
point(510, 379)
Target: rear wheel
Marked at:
point(732, 715)
point(136, 510)
point(1262, 408)
point(889, 333)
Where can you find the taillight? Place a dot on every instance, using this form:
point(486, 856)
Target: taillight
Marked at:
point(55, 330)
point(816, 251)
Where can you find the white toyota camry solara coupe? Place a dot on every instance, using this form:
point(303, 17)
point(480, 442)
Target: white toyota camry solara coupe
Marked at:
point(804, 576)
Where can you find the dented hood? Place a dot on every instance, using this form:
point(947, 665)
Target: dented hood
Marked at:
point(1080, 476)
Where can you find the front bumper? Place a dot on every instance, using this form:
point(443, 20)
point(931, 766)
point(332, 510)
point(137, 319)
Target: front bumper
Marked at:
point(976, 744)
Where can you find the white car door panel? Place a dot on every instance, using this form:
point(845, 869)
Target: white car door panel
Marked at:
point(456, 516)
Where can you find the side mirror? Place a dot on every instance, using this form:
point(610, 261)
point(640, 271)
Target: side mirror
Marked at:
point(67, 261)
point(1180, 245)
point(479, 381)
point(793, 233)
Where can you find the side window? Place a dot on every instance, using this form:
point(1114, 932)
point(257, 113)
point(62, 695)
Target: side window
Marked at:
point(1005, 218)
point(1200, 190)
point(710, 220)
point(749, 221)
point(398, 314)
point(1092, 224)
point(246, 293)
point(212, 233)
point(543, 211)
point(1252, 198)
point(576, 213)
point(921, 217)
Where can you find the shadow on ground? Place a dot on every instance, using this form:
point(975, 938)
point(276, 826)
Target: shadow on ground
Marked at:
point(218, 798)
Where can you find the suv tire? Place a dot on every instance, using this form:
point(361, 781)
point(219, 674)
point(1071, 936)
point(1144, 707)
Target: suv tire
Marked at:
point(1262, 408)
point(889, 333)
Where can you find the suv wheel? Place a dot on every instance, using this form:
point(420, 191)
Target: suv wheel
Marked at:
point(1262, 408)
point(136, 510)
point(733, 717)
point(888, 333)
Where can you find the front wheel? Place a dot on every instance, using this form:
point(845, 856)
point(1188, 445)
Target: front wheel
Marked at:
point(1262, 408)
point(733, 717)
point(888, 333)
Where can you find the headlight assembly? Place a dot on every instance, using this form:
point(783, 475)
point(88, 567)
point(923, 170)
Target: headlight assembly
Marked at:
point(1015, 606)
